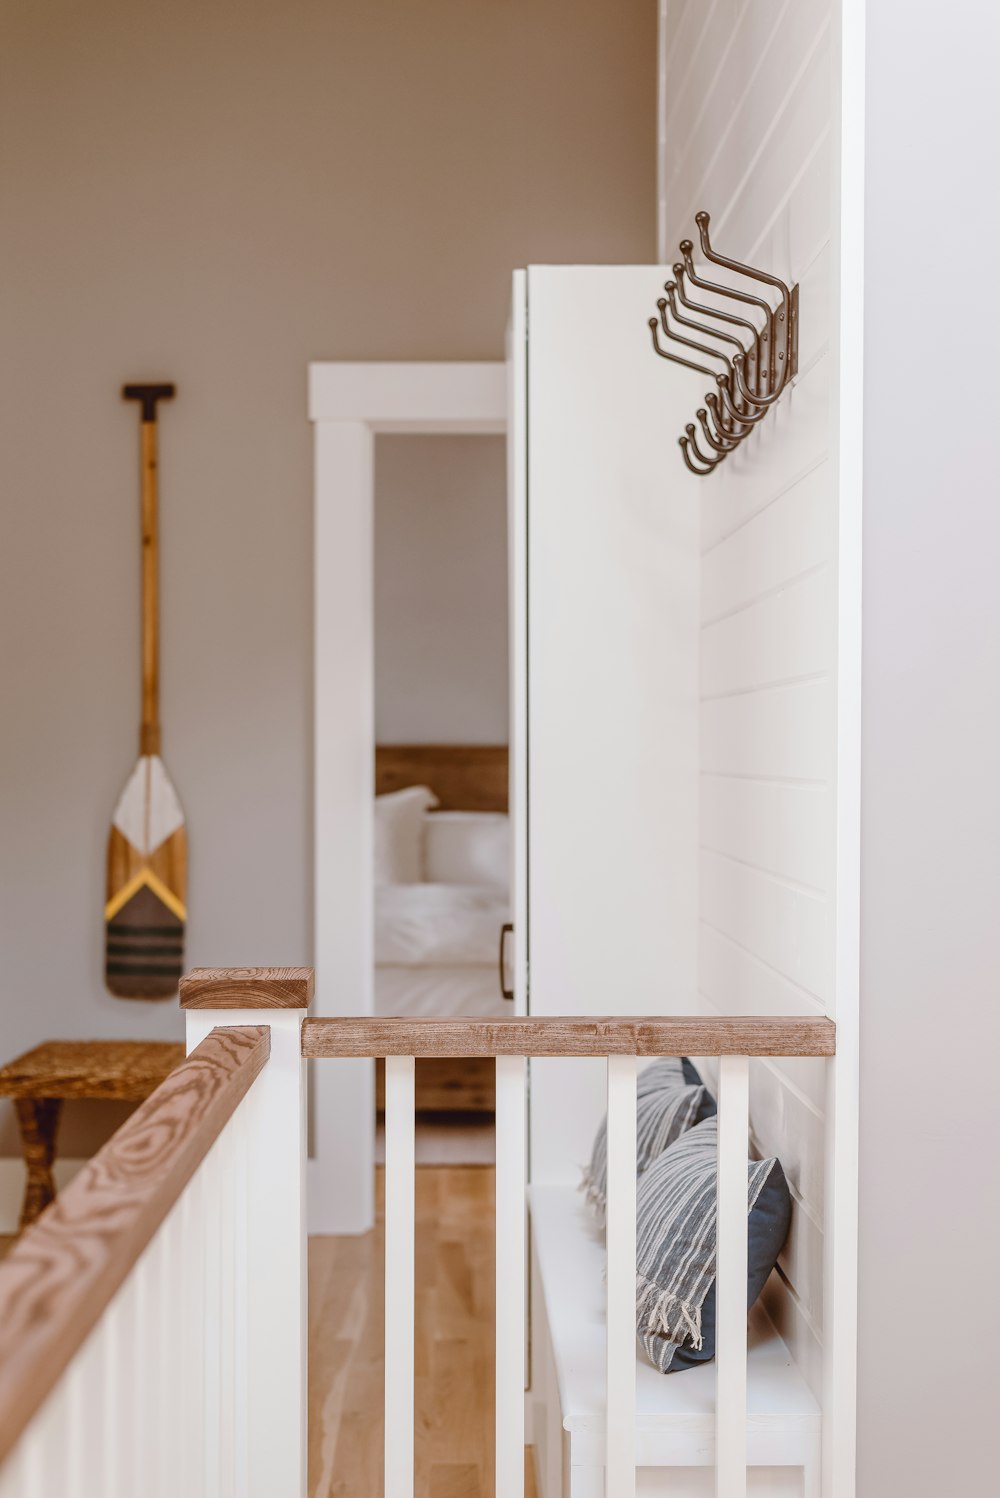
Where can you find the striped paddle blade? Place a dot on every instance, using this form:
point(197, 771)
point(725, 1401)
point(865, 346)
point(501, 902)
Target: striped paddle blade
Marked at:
point(146, 909)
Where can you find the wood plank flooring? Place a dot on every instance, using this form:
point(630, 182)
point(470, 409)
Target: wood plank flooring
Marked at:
point(454, 1346)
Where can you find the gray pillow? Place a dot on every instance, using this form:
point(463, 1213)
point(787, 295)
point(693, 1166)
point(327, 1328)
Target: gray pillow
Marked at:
point(666, 1106)
point(675, 1245)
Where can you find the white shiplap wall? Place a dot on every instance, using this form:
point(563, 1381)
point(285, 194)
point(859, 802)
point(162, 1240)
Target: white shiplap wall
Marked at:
point(746, 132)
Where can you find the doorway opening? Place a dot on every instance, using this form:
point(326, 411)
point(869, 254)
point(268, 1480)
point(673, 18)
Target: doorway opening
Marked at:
point(442, 866)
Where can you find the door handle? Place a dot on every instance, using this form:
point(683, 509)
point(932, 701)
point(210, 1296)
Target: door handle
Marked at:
point(505, 930)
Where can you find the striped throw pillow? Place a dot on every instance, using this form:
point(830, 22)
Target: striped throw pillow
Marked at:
point(675, 1245)
point(667, 1105)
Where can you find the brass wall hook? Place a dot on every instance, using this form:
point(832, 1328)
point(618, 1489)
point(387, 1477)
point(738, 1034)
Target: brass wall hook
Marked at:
point(671, 289)
point(757, 399)
point(701, 348)
point(683, 444)
point(654, 323)
point(781, 318)
point(749, 417)
point(721, 443)
point(761, 354)
point(724, 422)
point(712, 462)
point(734, 293)
point(718, 312)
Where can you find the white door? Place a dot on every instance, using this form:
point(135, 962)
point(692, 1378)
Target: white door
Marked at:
point(606, 569)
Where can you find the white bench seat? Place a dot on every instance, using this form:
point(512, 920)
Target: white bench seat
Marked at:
point(675, 1414)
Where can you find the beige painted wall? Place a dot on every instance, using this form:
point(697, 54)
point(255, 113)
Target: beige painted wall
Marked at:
point(217, 193)
point(930, 1020)
point(441, 590)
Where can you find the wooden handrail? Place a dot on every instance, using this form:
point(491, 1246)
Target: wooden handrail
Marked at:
point(673, 1035)
point(58, 1280)
point(247, 988)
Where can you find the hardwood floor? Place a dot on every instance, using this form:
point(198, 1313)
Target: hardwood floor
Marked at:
point(454, 1347)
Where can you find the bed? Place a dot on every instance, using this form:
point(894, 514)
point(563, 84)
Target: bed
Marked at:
point(438, 935)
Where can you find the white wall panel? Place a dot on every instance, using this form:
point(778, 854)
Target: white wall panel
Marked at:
point(788, 926)
point(802, 1336)
point(778, 828)
point(749, 92)
point(792, 536)
point(785, 449)
point(736, 980)
point(782, 637)
point(783, 1123)
point(751, 143)
point(781, 732)
point(801, 1260)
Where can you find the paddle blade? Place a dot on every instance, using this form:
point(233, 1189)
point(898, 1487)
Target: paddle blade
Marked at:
point(146, 910)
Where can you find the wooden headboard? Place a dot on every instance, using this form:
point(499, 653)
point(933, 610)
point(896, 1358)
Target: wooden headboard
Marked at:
point(464, 777)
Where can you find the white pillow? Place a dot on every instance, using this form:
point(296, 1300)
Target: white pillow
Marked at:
point(467, 847)
point(399, 830)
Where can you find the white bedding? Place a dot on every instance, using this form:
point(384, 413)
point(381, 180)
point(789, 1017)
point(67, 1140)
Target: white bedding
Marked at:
point(472, 990)
point(439, 925)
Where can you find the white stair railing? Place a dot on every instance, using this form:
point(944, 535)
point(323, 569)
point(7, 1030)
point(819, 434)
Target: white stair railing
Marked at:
point(152, 1330)
point(621, 1041)
point(152, 1322)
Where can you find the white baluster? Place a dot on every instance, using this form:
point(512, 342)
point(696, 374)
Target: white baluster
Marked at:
point(139, 1352)
point(620, 1468)
point(731, 1281)
point(79, 1378)
point(31, 1481)
point(399, 1289)
point(170, 1310)
point(192, 1425)
point(227, 1310)
point(213, 1329)
point(241, 1353)
point(56, 1434)
point(511, 1144)
point(275, 1296)
point(149, 1457)
point(109, 1406)
point(94, 1457)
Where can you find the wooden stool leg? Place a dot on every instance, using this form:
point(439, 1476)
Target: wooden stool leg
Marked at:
point(38, 1120)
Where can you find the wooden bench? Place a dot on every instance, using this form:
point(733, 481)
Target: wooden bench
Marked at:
point(42, 1079)
point(675, 1414)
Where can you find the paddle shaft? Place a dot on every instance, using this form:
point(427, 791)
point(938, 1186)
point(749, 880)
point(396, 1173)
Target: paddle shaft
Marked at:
point(149, 734)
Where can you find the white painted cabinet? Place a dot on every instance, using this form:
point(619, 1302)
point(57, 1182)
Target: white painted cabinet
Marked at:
point(605, 631)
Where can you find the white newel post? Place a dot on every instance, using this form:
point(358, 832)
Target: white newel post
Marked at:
point(265, 1259)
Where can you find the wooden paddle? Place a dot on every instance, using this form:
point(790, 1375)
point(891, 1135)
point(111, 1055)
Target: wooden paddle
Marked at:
point(147, 848)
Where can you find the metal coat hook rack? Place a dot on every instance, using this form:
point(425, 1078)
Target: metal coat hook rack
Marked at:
point(755, 352)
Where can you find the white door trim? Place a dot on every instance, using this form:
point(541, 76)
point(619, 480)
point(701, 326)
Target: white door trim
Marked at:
point(349, 404)
point(840, 1319)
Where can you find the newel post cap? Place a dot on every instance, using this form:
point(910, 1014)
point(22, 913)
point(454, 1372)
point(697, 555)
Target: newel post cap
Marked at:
point(247, 988)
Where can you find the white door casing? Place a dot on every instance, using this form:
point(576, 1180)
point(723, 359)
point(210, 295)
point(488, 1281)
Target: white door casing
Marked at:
point(349, 404)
